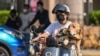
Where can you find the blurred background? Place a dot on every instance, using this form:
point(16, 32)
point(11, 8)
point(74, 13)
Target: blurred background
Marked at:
point(85, 12)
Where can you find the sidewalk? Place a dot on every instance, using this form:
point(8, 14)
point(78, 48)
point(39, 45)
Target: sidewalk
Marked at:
point(90, 52)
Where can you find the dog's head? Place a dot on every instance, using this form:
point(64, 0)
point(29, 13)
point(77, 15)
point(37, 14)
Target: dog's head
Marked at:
point(75, 30)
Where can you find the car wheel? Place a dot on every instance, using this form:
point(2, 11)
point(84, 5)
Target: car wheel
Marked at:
point(3, 52)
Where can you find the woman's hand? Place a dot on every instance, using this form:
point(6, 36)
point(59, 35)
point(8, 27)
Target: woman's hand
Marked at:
point(40, 40)
point(35, 39)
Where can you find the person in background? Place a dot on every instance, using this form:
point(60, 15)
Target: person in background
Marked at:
point(26, 17)
point(42, 16)
point(13, 20)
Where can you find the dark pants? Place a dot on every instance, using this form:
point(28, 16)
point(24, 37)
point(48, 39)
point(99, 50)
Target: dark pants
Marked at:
point(26, 41)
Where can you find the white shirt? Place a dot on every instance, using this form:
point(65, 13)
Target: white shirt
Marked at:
point(55, 27)
point(26, 19)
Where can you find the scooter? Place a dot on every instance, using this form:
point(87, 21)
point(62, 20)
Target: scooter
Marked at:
point(55, 47)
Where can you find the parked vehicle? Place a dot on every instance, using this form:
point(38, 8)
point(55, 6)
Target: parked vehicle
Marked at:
point(11, 42)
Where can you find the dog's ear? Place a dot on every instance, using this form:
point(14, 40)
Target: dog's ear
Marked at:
point(78, 26)
point(81, 32)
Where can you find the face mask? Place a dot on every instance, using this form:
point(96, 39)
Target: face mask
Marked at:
point(60, 17)
point(39, 8)
point(13, 15)
point(25, 10)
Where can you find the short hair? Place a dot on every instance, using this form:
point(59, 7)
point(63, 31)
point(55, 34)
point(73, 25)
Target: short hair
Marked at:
point(13, 11)
point(40, 3)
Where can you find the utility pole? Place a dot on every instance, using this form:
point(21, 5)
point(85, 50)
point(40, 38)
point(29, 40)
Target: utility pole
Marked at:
point(87, 11)
point(89, 8)
point(20, 4)
point(13, 4)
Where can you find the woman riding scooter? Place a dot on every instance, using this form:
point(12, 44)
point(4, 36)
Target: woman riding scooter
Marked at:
point(62, 13)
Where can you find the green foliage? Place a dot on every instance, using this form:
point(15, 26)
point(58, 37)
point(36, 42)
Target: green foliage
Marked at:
point(3, 16)
point(95, 17)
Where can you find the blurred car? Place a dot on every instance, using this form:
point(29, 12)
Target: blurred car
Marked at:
point(11, 43)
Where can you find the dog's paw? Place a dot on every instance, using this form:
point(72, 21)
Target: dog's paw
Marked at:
point(65, 42)
point(80, 54)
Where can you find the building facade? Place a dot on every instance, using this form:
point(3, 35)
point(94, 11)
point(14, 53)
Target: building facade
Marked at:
point(76, 7)
point(79, 8)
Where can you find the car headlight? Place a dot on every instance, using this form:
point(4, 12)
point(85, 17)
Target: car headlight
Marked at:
point(14, 34)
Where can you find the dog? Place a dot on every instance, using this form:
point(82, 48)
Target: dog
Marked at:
point(90, 41)
point(75, 30)
point(73, 35)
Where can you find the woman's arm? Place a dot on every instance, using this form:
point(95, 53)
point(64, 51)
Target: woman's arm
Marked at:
point(44, 35)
